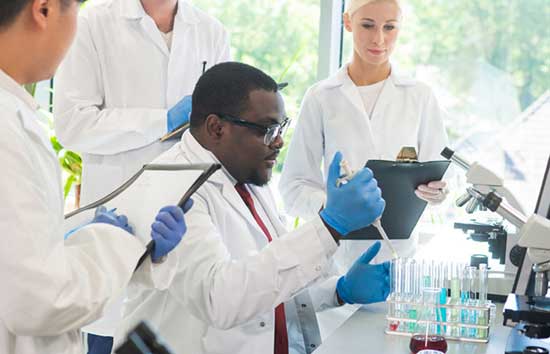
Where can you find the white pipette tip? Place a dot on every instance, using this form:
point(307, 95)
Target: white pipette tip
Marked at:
point(385, 237)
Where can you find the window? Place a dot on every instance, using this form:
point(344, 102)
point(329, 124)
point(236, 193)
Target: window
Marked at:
point(278, 37)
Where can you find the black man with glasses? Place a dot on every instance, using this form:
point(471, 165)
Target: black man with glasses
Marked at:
point(244, 283)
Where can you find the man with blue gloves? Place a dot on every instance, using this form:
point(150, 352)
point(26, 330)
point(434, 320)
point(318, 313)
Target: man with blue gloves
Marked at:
point(244, 284)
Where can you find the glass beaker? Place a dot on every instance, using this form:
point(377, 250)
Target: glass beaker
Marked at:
point(429, 335)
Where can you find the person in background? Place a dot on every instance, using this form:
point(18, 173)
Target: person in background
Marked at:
point(51, 286)
point(244, 283)
point(124, 84)
point(367, 110)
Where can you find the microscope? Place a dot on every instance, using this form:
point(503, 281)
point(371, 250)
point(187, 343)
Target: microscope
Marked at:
point(527, 308)
point(501, 242)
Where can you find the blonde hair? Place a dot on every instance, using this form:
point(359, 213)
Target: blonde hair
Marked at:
point(354, 5)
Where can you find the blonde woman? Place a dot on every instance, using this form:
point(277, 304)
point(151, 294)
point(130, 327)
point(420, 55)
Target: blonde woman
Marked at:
point(367, 110)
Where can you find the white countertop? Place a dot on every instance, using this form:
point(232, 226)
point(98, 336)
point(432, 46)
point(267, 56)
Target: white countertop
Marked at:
point(363, 333)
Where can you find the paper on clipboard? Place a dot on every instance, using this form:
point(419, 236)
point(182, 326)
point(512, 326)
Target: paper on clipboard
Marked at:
point(142, 200)
point(398, 181)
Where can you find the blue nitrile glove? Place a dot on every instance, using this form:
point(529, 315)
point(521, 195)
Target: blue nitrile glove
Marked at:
point(168, 229)
point(104, 216)
point(365, 283)
point(353, 205)
point(179, 114)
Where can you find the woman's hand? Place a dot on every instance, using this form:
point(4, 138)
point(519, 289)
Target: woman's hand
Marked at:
point(434, 192)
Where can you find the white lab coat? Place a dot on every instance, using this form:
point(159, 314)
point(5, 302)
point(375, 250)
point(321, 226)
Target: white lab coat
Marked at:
point(229, 278)
point(50, 288)
point(333, 118)
point(114, 87)
point(119, 78)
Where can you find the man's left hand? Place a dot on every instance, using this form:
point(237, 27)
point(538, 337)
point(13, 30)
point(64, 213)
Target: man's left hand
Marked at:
point(365, 283)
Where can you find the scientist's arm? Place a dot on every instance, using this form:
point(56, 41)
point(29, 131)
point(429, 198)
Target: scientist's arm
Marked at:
point(432, 138)
point(302, 186)
point(50, 287)
point(225, 292)
point(81, 121)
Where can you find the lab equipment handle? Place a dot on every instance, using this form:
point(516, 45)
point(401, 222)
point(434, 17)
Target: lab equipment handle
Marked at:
point(194, 187)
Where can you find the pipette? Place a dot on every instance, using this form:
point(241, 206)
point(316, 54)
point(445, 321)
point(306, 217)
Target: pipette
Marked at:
point(348, 175)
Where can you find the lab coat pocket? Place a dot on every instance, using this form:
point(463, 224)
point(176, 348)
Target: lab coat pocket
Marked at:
point(252, 337)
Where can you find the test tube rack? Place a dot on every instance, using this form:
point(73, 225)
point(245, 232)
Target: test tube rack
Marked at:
point(452, 330)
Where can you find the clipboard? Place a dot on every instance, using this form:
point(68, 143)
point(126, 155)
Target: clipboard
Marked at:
point(156, 189)
point(398, 181)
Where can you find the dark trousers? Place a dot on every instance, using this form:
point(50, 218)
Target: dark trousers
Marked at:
point(99, 344)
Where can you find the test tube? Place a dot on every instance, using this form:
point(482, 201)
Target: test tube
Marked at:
point(456, 276)
point(396, 290)
point(442, 285)
point(474, 290)
point(465, 288)
point(482, 301)
point(410, 290)
point(427, 274)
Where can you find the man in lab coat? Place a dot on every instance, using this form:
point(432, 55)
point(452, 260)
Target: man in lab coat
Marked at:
point(123, 85)
point(244, 284)
point(51, 288)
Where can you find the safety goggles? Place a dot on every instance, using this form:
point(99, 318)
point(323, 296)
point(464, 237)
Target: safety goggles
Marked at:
point(270, 132)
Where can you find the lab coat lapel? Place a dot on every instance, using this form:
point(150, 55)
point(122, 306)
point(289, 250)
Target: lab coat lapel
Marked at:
point(198, 154)
point(385, 98)
point(268, 204)
point(152, 31)
point(184, 60)
point(351, 93)
point(234, 199)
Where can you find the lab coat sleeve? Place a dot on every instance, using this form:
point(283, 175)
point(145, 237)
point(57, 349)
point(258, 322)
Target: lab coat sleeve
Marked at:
point(302, 183)
point(51, 286)
point(158, 276)
point(432, 137)
point(323, 294)
point(81, 121)
point(225, 292)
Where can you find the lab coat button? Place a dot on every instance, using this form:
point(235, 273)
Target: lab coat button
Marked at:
point(318, 268)
point(262, 324)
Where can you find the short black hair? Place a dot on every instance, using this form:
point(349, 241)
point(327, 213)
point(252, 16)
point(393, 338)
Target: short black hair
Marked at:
point(225, 88)
point(10, 9)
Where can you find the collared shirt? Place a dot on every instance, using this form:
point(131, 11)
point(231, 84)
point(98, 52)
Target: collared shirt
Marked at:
point(9, 84)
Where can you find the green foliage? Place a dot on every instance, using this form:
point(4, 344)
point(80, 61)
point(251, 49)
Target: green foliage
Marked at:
point(70, 162)
point(509, 35)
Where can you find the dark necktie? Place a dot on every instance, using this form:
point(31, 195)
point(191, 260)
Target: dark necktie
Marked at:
point(281, 335)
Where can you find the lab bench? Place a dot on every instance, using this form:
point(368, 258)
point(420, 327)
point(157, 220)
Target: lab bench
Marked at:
point(363, 333)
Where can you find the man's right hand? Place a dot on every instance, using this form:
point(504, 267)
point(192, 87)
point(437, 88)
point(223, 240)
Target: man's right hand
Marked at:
point(168, 230)
point(353, 205)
